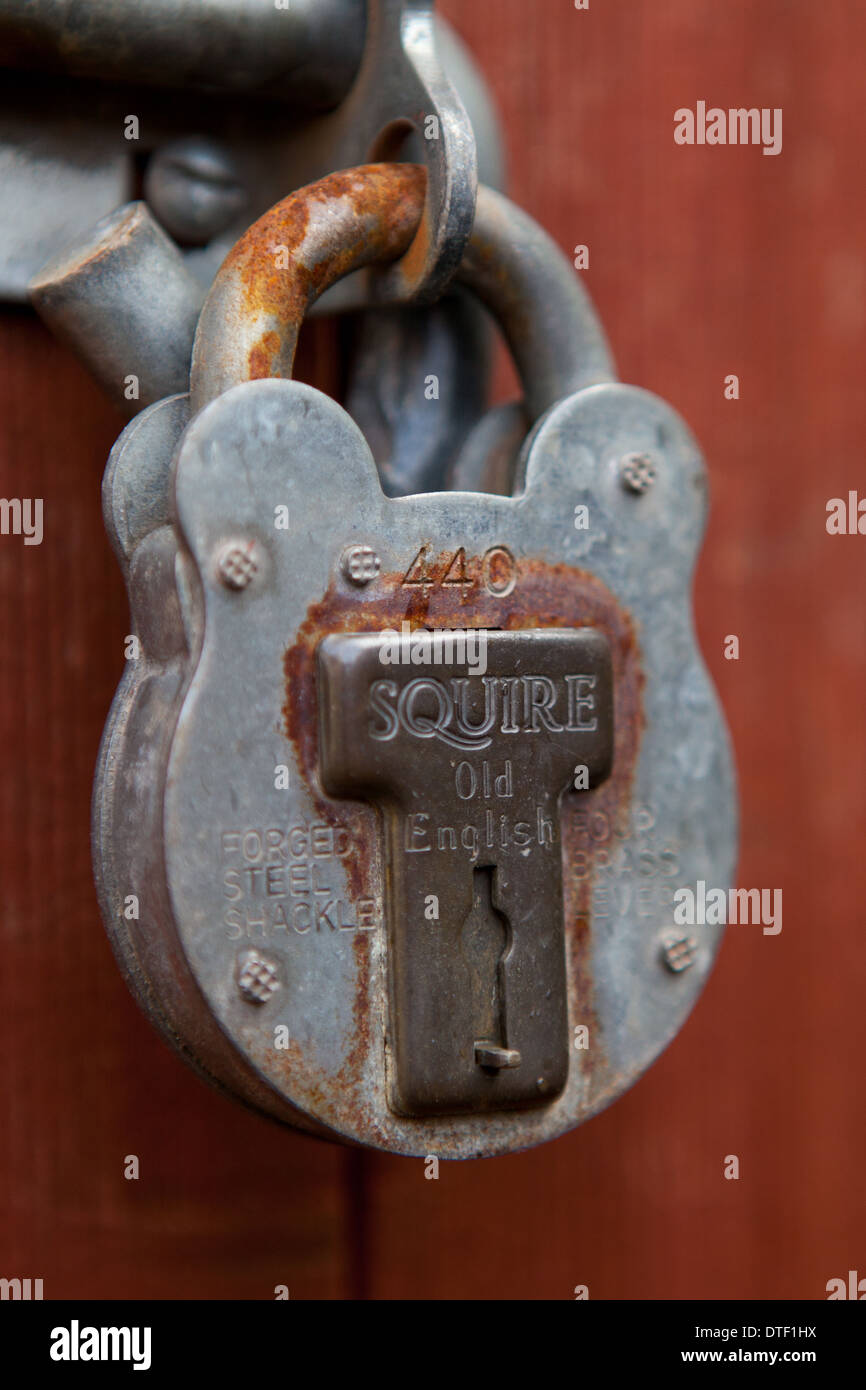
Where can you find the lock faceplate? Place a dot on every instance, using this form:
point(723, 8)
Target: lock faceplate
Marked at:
point(468, 742)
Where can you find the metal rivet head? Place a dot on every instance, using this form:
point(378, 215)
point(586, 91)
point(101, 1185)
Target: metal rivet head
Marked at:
point(637, 473)
point(360, 564)
point(194, 189)
point(238, 564)
point(679, 951)
point(258, 977)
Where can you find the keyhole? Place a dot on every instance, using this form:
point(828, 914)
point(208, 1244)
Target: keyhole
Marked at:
point(485, 943)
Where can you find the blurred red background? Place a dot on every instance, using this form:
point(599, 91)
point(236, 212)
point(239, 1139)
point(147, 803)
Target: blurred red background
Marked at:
point(704, 261)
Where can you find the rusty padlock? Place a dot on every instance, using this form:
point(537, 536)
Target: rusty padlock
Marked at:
point(401, 788)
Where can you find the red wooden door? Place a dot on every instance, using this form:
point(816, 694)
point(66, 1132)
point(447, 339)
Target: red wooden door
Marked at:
point(704, 261)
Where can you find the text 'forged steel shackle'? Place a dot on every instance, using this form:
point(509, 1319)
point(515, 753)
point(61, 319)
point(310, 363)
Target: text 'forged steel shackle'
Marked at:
point(406, 785)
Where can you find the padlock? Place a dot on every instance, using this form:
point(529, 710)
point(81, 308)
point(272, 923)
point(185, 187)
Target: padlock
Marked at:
point(394, 803)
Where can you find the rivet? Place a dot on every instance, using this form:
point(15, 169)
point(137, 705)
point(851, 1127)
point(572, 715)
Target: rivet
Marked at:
point(679, 951)
point(637, 473)
point(360, 564)
point(238, 564)
point(258, 976)
point(194, 190)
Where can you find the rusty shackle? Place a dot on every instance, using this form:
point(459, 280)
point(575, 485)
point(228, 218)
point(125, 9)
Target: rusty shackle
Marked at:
point(368, 216)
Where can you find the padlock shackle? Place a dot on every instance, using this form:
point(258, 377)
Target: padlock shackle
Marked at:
point(537, 298)
point(252, 316)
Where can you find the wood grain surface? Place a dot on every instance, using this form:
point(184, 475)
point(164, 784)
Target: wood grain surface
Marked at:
point(703, 262)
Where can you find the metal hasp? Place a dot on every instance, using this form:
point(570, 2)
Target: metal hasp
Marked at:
point(402, 87)
point(302, 52)
point(96, 97)
point(469, 770)
point(124, 300)
point(264, 100)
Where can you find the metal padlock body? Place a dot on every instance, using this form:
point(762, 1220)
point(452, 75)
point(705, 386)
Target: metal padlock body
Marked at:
point(130, 776)
point(229, 862)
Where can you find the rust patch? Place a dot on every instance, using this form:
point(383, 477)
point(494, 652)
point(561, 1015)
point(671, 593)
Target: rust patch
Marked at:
point(263, 355)
point(544, 596)
point(338, 1096)
point(373, 213)
point(360, 1011)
